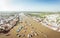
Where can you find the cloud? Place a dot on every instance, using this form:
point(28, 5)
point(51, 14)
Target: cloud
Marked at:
point(10, 5)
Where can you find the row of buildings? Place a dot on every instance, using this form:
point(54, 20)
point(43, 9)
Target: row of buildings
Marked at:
point(6, 23)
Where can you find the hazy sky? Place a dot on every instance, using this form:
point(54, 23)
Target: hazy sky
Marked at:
point(30, 5)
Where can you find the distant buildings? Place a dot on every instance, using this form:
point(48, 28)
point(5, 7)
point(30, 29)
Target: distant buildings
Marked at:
point(7, 23)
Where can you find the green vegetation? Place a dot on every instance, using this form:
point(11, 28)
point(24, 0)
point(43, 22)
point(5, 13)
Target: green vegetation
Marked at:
point(41, 15)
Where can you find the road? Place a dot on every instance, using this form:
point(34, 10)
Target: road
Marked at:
point(38, 27)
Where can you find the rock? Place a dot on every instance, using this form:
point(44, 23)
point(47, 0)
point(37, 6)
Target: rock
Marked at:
point(29, 36)
point(18, 35)
point(7, 34)
point(19, 29)
point(35, 33)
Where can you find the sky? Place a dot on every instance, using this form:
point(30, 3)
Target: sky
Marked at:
point(30, 5)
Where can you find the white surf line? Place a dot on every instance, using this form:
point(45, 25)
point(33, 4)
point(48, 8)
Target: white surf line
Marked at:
point(48, 26)
point(51, 27)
